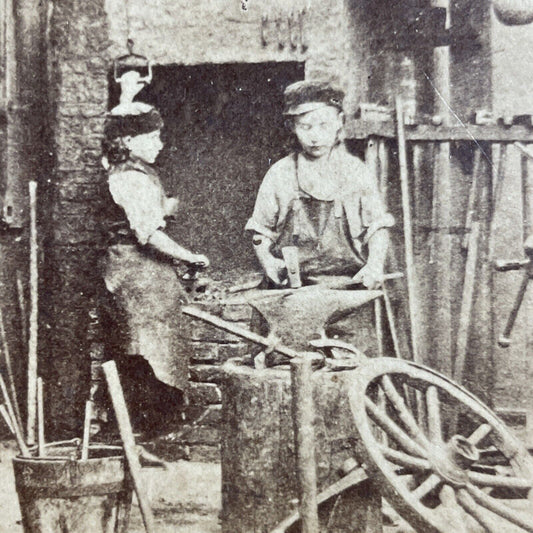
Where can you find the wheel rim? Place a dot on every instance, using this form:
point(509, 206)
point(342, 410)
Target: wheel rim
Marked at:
point(448, 464)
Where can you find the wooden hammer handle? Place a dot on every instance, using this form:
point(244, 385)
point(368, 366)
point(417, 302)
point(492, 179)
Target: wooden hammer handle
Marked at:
point(128, 442)
point(505, 338)
point(237, 330)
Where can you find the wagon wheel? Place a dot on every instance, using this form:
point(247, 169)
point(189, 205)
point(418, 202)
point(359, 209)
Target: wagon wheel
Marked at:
point(451, 466)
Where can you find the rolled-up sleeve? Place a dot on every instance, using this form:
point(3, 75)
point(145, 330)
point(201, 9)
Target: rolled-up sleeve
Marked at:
point(365, 211)
point(374, 214)
point(141, 199)
point(265, 216)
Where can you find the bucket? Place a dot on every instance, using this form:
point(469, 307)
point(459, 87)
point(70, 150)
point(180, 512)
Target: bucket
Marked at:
point(61, 494)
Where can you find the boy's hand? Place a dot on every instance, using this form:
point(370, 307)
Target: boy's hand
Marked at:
point(274, 268)
point(200, 260)
point(370, 276)
point(171, 206)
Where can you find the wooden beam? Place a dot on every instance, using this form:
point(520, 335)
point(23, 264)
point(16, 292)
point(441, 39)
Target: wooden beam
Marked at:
point(359, 129)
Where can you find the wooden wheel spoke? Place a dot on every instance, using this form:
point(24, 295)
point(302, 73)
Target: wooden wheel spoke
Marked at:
point(382, 405)
point(429, 484)
point(488, 480)
point(492, 504)
point(433, 412)
point(403, 412)
point(404, 460)
point(480, 515)
point(393, 430)
point(479, 434)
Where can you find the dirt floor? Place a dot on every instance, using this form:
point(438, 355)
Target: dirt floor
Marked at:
point(185, 498)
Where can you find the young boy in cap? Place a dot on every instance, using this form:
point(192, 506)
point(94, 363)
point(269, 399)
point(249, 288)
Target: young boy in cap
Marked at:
point(320, 199)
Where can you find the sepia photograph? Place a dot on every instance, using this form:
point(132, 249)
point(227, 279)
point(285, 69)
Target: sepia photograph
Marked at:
point(265, 265)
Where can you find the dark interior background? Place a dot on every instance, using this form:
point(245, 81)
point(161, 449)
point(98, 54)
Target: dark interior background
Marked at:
point(223, 129)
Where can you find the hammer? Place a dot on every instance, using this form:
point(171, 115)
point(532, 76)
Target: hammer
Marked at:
point(503, 266)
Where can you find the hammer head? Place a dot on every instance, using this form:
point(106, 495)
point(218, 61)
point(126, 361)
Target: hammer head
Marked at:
point(528, 246)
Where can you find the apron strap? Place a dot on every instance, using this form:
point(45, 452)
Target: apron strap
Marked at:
point(296, 204)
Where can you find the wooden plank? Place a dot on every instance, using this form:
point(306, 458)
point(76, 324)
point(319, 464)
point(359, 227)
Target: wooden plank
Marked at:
point(359, 129)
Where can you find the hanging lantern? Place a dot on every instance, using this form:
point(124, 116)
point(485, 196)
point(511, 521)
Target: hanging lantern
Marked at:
point(513, 12)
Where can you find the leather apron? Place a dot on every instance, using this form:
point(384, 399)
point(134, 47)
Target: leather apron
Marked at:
point(148, 297)
point(319, 230)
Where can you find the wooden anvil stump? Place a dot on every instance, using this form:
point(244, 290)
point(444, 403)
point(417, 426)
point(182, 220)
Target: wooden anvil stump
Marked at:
point(259, 482)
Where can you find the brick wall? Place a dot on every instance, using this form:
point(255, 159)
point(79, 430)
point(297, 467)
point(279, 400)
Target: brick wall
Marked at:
point(78, 64)
point(198, 438)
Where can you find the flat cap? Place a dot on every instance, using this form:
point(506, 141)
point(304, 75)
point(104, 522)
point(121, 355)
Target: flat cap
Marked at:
point(304, 96)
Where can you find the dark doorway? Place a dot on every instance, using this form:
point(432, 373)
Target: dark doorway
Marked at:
point(223, 129)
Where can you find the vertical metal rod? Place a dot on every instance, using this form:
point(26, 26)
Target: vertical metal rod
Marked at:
point(86, 431)
point(527, 197)
point(22, 310)
point(7, 418)
point(303, 415)
point(473, 197)
point(467, 303)
point(40, 418)
point(9, 368)
point(408, 235)
point(18, 432)
point(379, 326)
point(383, 175)
point(390, 318)
point(32, 344)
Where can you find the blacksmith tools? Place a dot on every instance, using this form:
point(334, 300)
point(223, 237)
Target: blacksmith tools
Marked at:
point(527, 265)
point(193, 282)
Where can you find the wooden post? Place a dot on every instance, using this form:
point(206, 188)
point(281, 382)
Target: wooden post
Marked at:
point(32, 345)
point(303, 419)
point(25, 93)
point(442, 206)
